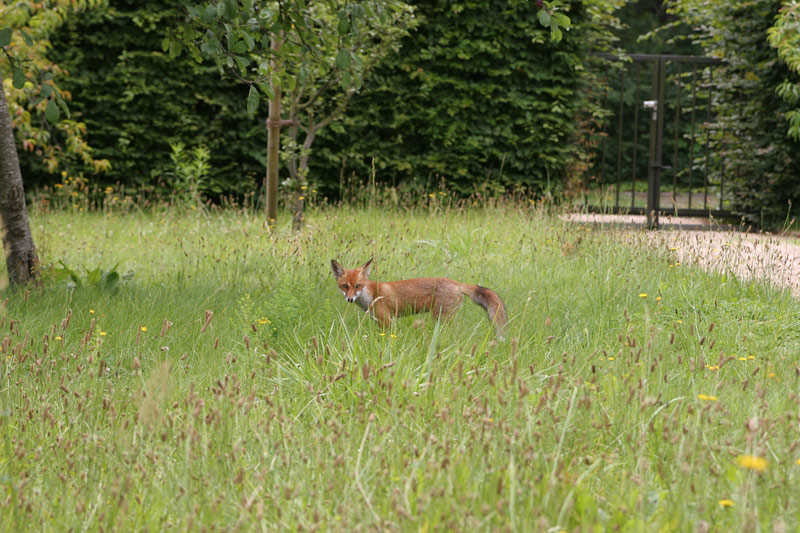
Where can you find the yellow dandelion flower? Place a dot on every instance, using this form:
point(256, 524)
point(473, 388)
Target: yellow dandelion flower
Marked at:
point(707, 398)
point(91, 311)
point(57, 338)
point(673, 249)
point(381, 334)
point(751, 357)
point(797, 462)
point(726, 503)
point(771, 375)
point(303, 187)
point(102, 333)
point(752, 462)
point(432, 195)
point(144, 328)
point(610, 358)
point(643, 295)
point(394, 336)
point(658, 298)
point(743, 359)
point(301, 197)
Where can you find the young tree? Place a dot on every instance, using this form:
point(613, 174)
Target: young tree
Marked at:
point(315, 51)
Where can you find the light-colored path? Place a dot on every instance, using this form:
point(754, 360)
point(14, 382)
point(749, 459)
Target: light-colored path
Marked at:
point(772, 258)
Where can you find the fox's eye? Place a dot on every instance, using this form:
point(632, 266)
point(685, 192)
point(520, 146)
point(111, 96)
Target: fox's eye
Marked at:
point(358, 286)
point(344, 286)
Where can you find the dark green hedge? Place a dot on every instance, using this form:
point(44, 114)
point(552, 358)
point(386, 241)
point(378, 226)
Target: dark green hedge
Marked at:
point(477, 95)
point(135, 100)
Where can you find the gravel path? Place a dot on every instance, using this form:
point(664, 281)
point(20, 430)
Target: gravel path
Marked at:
point(773, 258)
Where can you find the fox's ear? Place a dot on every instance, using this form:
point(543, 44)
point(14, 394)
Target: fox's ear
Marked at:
point(367, 267)
point(338, 271)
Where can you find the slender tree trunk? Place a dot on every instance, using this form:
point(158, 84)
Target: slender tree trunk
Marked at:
point(21, 258)
point(273, 135)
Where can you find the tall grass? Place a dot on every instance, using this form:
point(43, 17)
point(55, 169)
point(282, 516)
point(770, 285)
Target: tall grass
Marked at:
point(227, 385)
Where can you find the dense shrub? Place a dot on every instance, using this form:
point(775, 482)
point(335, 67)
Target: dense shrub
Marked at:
point(136, 101)
point(477, 95)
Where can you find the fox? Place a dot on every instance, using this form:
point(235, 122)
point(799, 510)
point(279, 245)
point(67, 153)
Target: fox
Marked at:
point(389, 299)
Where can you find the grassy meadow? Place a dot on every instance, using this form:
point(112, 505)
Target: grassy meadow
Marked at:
point(224, 383)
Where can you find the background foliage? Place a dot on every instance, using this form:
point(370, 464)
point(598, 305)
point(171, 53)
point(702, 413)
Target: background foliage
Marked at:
point(752, 118)
point(136, 101)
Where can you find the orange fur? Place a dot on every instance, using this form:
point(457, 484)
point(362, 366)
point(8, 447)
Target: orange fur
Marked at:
point(441, 296)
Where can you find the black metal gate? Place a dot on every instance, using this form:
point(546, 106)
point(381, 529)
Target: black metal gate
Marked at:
point(664, 130)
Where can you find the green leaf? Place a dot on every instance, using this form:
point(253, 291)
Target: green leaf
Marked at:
point(344, 26)
point(51, 111)
point(252, 100)
point(165, 44)
point(63, 105)
point(343, 59)
point(555, 32)
point(46, 90)
point(27, 37)
point(93, 276)
point(175, 49)
point(544, 18)
point(5, 37)
point(562, 20)
point(209, 14)
point(18, 79)
point(112, 278)
point(266, 89)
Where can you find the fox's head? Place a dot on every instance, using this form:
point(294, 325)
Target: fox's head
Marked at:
point(351, 282)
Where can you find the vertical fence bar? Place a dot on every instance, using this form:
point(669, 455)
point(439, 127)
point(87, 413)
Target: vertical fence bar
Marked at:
point(691, 135)
point(654, 163)
point(603, 130)
point(635, 131)
point(675, 141)
point(708, 137)
point(619, 135)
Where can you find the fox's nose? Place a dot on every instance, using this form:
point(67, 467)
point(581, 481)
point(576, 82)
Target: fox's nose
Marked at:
point(350, 299)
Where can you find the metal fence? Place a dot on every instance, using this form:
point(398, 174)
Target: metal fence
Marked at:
point(660, 148)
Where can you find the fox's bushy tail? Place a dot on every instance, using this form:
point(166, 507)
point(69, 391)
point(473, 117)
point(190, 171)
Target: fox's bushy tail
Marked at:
point(491, 302)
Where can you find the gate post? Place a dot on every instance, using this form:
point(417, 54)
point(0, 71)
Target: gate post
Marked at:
point(656, 144)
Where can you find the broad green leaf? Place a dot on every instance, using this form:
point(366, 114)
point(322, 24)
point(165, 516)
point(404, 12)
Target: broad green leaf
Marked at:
point(209, 13)
point(343, 59)
point(165, 44)
point(27, 37)
point(93, 276)
point(544, 18)
point(18, 78)
point(562, 20)
point(252, 100)
point(5, 37)
point(46, 90)
point(175, 49)
point(555, 33)
point(251, 43)
point(51, 111)
point(48, 76)
point(344, 26)
point(266, 89)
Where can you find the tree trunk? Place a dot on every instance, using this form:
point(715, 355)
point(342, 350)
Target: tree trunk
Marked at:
point(21, 259)
point(273, 135)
